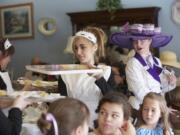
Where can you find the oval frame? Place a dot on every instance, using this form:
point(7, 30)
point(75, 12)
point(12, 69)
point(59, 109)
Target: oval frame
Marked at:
point(176, 12)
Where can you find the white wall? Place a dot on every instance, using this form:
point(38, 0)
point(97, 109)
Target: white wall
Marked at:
point(50, 49)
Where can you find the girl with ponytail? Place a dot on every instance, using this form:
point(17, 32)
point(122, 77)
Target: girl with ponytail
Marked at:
point(88, 47)
point(67, 116)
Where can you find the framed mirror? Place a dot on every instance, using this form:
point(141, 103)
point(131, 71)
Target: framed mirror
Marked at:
point(176, 12)
point(47, 26)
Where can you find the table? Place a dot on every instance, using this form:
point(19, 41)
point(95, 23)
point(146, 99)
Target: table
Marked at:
point(39, 85)
point(27, 127)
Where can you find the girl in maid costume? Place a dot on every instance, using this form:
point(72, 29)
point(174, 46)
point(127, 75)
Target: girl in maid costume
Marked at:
point(144, 71)
point(6, 52)
point(88, 48)
point(66, 116)
point(10, 125)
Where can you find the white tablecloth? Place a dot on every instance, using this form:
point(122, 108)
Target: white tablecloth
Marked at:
point(30, 129)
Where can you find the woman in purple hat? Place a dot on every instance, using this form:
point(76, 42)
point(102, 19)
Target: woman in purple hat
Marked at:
point(144, 72)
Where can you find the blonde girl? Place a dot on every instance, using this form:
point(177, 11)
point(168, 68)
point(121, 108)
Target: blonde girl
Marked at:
point(154, 116)
point(88, 48)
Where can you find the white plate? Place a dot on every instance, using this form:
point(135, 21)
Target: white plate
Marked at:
point(50, 98)
point(37, 83)
point(31, 115)
point(36, 96)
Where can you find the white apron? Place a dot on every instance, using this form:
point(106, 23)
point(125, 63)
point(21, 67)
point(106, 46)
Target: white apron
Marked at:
point(83, 87)
point(5, 77)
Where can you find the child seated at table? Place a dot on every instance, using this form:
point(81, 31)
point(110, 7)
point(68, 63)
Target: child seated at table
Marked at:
point(67, 116)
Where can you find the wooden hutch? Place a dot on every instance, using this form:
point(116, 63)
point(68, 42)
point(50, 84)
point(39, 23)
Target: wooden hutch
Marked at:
point(105, 19)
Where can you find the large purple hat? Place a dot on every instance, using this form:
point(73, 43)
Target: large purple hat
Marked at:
point(139, 32)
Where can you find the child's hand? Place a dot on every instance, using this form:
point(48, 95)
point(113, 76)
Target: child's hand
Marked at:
point(172, 79)
point(170, 75)
point(172, 111)
point(128, 128)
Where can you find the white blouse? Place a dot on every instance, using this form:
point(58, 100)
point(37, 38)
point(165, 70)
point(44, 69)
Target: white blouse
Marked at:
point(140, 82)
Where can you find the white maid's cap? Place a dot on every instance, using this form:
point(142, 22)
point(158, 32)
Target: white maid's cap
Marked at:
point(7, 44)
point(87, 35)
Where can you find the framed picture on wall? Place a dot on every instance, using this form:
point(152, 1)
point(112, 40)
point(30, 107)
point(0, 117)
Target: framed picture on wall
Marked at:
point(176, 12)
point(17, 21)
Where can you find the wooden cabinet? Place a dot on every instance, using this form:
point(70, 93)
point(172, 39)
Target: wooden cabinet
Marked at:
point(117, 18)
point(105, 19)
